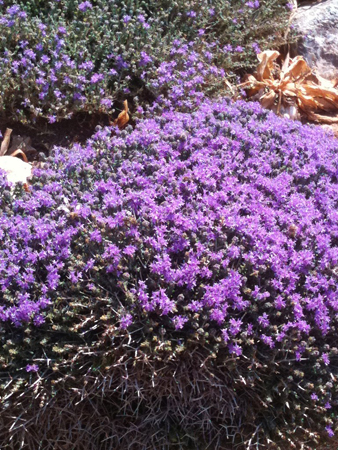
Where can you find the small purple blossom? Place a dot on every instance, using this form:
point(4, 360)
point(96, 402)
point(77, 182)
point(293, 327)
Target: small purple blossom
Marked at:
point(125, 321)
point(256, 48)
point(227, 48)
point(325, 358)
point(225, 336)
point(329, 430)
point(85, 5)
point(32, 368)
point(52, 119)
point(13, 10)
point(96, 77)
point(191, 13)
point(235, 326)
point(236, 349)
point(145, 59)
point(179, 322)
point(45, 59)
point(106, 102)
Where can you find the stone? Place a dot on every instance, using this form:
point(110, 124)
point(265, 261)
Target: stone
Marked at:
point(16, 169)
point(317, 24)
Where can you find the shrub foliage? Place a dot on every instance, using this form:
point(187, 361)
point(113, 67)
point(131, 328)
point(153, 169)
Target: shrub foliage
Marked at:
point(61, 57)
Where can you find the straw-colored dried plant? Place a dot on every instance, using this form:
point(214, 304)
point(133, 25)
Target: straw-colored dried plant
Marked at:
point(292, 90)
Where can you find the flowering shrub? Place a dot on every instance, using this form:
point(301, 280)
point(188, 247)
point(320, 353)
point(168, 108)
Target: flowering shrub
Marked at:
point(205, 240)
point(60, 57)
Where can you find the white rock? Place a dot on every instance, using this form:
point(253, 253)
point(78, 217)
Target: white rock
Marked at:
point(16, 169)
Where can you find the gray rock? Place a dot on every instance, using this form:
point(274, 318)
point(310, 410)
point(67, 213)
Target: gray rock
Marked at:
point(317, 24)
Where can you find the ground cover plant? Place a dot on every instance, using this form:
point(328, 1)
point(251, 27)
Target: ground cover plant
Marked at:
point(171, 285)
point(199, 244)
point(62, 57)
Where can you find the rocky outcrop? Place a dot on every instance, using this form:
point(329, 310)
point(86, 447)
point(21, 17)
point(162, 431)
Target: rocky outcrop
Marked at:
point(317, 24)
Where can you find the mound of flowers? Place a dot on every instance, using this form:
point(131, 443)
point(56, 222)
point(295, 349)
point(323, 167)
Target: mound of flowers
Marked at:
point(204, 240)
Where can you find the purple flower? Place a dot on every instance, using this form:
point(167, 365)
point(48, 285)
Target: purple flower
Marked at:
point(32, 368)
point(126, 19)
point(52, 119)
point(145, 59)
point(225, 336)
point(329, 430)
point(106, 102)
point(235, 326)
point(85, 5)
point(13, 10)
point(129, 250)
point(191, 14)
point(263, 320)
point(235, 348)
point(87, 65)
point(45, 59)
point(325, 358)
point(179, 322)
point(96, 78)
point(38, 320)
point(125, 321)
point(228, 48)
point(161, 300)
point(268, 340)
point(29, 54)
point(256, 48)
